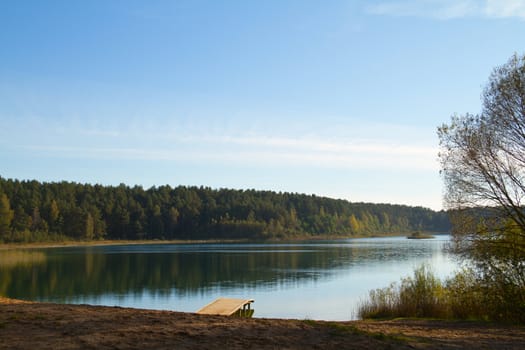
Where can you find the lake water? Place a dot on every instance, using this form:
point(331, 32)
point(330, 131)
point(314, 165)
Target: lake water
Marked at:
point(314, 280)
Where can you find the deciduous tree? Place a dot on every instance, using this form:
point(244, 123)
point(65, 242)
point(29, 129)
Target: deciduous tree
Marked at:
point(483, 166)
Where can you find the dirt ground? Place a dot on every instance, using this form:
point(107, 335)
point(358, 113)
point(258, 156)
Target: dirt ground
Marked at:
point(25, 325)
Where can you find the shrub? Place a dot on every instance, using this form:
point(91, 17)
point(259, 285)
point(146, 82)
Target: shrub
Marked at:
point(419, 296)
point(466, 296)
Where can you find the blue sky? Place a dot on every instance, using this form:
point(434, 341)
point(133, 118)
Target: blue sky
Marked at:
point(336, 98)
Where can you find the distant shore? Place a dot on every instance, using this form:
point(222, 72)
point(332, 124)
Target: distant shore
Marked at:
point(29, 325)
point(72, 243)
point(106, 243)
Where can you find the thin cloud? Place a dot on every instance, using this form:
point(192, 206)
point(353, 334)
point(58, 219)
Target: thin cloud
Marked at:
point(507, 8)
point(450, 9)
point(264, 151)
point(362, 146)
point(338, 146)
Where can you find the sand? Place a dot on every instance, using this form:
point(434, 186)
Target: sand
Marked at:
point(26, 325)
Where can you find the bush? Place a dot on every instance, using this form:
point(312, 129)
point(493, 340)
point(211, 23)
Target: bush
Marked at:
point(475, 296)
point(419, 296)
point(465, 296)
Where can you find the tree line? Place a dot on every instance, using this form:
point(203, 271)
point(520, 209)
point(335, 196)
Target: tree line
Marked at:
point(41, 211)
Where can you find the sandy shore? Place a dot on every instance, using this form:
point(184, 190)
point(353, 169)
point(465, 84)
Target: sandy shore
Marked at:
point(25, 325)
point(13, 246)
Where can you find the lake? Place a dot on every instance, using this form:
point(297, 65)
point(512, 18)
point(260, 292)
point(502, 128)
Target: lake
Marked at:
point(303, 280)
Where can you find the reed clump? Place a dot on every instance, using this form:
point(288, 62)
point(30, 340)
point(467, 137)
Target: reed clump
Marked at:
point(424, 295)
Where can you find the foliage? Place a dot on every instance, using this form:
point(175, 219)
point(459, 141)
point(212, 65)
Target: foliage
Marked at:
point(6, 216)
point(483, 165)
point(419, 296)
point(86, 212)
point(464, 296)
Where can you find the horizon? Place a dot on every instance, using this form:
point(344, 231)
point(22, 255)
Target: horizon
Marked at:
point(339, 99)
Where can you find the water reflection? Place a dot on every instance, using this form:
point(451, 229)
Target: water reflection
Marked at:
point(134, 275)
point(11, 258)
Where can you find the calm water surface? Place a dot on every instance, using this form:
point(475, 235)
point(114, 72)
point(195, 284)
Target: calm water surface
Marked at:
point(315, 280)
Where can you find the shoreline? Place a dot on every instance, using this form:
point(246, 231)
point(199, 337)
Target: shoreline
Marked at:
point(43, 245)
point(26, 324)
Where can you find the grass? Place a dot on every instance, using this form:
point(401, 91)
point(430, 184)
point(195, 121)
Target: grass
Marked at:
point(337, 329)
point(422, 295)
point(463, 297)
point(39, 317)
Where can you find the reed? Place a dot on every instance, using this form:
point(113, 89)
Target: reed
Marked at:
point(466, 296)
point(421, 295)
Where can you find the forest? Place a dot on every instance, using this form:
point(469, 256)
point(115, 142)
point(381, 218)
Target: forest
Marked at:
point(32, 211)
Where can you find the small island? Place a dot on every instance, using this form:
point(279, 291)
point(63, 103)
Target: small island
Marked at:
point(420, 235)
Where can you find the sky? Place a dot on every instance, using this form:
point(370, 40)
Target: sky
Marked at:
point(338, 98)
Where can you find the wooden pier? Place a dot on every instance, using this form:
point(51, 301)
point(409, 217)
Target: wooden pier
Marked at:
point(228, 307)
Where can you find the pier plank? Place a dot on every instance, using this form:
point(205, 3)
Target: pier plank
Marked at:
point(225, 306)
